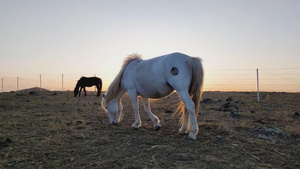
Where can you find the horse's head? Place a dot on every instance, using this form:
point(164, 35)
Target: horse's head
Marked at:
point(76, 88)
point(113, 110)
point(75, 91)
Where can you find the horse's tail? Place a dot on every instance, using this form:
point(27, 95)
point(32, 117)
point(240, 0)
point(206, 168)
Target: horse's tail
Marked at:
point(99, 86)
point(195, 89)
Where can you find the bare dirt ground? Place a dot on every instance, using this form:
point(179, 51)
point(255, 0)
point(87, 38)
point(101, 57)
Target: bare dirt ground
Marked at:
point(54, 130)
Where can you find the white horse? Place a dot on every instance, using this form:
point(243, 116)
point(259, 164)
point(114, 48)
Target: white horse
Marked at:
point(158, 78)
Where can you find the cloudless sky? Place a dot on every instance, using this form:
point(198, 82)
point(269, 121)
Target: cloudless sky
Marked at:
point(94, 36)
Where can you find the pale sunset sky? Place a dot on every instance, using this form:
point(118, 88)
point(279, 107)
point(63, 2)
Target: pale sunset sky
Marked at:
point(94, 36)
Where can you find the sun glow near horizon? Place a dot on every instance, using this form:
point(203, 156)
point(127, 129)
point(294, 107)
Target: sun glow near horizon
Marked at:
point(278, 80)
point(92, 38)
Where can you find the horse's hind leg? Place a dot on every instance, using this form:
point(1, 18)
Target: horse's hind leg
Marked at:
point(98, 90)
point(190, 106)
point(185, 121)
point(147, 108)
point(134, 100)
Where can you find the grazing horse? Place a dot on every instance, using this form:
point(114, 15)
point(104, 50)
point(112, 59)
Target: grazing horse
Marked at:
point(158, 78)
point(88, 82)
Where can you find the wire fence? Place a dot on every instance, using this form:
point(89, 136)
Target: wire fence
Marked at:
point(269, 80)
point(53, 82)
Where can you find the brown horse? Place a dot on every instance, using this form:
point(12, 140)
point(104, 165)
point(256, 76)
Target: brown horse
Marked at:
point(88, 82)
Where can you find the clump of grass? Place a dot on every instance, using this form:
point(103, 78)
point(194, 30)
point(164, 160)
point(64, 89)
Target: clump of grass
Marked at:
point(293, 128)
point(227, 125)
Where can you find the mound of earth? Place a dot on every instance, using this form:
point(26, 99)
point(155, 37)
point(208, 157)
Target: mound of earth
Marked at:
point(271, 133)
point(33, 89)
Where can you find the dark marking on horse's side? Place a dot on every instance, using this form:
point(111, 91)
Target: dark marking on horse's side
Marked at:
point(174, 71)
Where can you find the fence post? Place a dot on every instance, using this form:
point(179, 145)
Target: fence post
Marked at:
point(95, 86)
point(2, 85)
point(17, 83)
point(40, 82)
point(62, 83)
point(257, 85)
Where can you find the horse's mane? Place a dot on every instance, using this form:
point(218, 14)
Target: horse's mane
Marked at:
point(115, 86)
point(130, 58)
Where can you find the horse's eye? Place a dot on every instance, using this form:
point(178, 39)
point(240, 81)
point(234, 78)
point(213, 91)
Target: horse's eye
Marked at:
point(106, 108)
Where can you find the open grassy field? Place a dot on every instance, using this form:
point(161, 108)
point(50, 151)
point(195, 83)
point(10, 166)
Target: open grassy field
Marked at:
point(55, 130)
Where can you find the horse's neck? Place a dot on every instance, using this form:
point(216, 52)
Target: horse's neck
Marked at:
point(118, 96)
point(77, 85)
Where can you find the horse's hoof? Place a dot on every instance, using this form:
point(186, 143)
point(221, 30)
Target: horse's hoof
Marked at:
point(182, 131)
point(115, 123)
point(134, 128)
point(157, 128)
point(191, 137)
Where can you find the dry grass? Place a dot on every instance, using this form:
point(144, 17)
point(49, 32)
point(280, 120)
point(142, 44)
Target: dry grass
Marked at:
point(54, 130)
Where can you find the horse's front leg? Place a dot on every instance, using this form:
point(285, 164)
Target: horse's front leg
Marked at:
point(80, 91)
point(120, 111)
point(84, 91)
point(147, 108)
point(134, 100)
